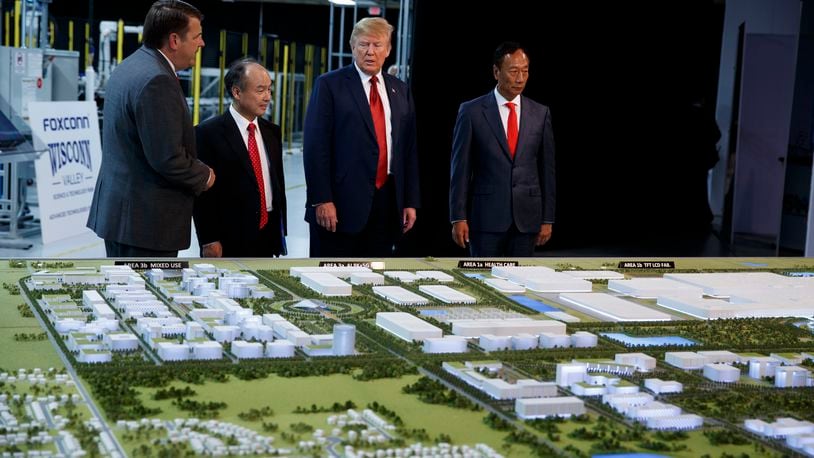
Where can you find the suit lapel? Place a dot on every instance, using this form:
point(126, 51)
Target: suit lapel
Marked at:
point(235, 140)
point(525, 118)
point(395, 106)
point(492, 115)
point(357, 92)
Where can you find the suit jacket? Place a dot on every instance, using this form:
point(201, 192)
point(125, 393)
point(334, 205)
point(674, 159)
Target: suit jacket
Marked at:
point(150, 173)
point(489, 189)
point(230, 211)
point(340, 151)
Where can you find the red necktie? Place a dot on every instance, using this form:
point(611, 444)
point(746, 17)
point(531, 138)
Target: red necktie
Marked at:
point(511, 129)
point(254, 155)
point(377, 111)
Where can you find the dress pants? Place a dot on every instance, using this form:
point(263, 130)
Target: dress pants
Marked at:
point(377, 238)
point(511, 243)
point(121, 250)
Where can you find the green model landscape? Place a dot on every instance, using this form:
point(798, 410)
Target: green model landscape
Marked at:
point(291, 399)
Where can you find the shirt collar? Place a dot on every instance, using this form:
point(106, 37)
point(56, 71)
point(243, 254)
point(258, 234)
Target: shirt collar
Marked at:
point(502, 100)
point(242, 123)
point(364, 76)
point(168, 60)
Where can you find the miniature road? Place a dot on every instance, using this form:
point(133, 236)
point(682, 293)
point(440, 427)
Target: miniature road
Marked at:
point(72, 372)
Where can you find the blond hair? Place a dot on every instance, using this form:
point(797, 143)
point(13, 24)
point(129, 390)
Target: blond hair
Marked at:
point(376, 26)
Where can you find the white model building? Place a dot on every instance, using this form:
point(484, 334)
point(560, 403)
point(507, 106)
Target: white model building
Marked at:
point(726, 357)
point(623, 402)
point(782, 427)
point(788, 359)
point(568, 373)
point(336, 271)
point(247, 350)
point(562, 316)
point(542, 279)
point(500, 389)
point(225, 333)
point(792, 377)
point(762, 366)
point(344, 339)
point(94, 356)
point(549, 407)
point(722, 373)
point(659, 386)
point(505, 286)
point(612, 308)
point(448, 344)
point(595, 274)
point(366, 278)
point(552, 340)
point(326, 284)
point(121, 341)
point(495, 343)
point(194, 331)
point(399, 295)
point(524, 342)
point(402, 276)
point(406, 326)
point(651, 288)
point(206, 350)
point(652, 409)
point(446, 294)
point(280, 349)
point(677, 422)
point(479, 327)
point(685, 359)
point(582, 339)
point(173, 351)
point(437, 275)
point(643, 363)
point(257, 331)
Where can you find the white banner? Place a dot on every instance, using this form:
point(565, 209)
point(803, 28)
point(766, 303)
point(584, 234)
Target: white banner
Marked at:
point(67, 171)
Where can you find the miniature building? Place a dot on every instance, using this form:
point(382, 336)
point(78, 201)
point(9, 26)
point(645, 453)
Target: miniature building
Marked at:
point(366, 278)
point(791, 377)
point(448, 344)
point(582, 339)
point(568, 373)
point(479, 327)
point(504, 286)
point(495, 343)
point(722, 373)
point(783, 427)
point(121, 341)
point(643, 363)
point(326, 284)
point(344, 339)
point(726, 357)
point(171, 351)
point(549, 407)
point(247, 350)
point(762, 366)
point(280, 349)
point(402, 276)
point(659, 386)
point(437, 275)
point(399, 295)
point(446, 294)
point(552, 340)
point(406, 326)
point(542, 279)
point(206, 350)
point(685, 359)
point(677, 422)
point(524, 342)
point(613, 308)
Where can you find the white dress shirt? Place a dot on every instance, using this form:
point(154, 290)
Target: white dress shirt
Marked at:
point(243, 127)
point(385, 102)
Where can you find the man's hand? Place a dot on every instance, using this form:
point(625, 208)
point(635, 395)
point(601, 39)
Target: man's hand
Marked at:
point(408, 219)
point(460, 233)
point(212, 250)
point(544, 235)
point(211, 180)
point(326, 216)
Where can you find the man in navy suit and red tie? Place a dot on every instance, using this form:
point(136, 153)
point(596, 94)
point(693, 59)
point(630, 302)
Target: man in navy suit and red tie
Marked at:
point(502, 186)
point(359, 152)
point(243, 215)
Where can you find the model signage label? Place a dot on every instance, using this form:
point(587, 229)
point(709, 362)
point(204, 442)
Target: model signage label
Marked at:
point(67, 135)
point(475, 264)
point(147, 265)
point(344, 264)
point(647, 265)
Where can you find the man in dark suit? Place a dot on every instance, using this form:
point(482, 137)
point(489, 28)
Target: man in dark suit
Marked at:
point(243, 215)
point(150, 174)
point(359, 150)
point(502, 188)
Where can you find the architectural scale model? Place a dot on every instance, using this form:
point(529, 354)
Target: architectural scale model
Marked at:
point(407, 357)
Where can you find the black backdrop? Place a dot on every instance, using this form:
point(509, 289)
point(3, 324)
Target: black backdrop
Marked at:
point(617, 76)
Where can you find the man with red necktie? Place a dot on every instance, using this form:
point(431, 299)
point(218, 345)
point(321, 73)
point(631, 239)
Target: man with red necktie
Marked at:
point(244, 214)
point(359, 152)
point(502, 183)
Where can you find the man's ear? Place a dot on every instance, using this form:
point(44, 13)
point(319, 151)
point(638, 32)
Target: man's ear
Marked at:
point(172, 41)
point(495, 71)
